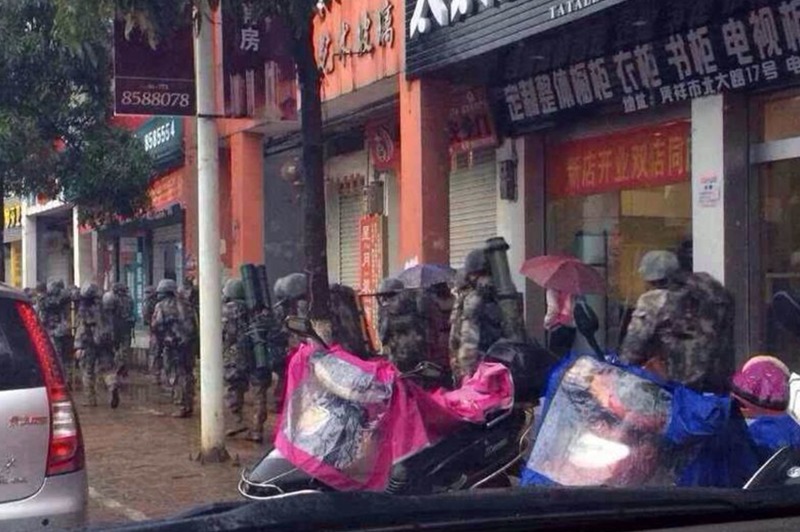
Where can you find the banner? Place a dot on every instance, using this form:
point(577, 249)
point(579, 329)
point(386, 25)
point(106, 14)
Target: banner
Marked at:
point(469, 122)
point(371, 244)
point(154, 81)
point(637, 158)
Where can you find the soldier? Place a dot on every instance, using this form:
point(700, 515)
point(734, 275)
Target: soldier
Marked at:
point(191, 298)
point(39, 293)
point(124, 322)
point(174, 328)
point(437, 305)
point(388, 291)
point(477, 321)
point(55, 307)
point(94, 342)
point(154, 355)
point(240, 372)
point(402, 325)
point(683, 329)
point(291, 293)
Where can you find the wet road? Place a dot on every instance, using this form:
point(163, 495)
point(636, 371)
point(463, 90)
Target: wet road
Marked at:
point(139, 458)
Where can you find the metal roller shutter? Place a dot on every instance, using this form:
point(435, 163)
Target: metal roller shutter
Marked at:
point(473, 204)
point(349, 215)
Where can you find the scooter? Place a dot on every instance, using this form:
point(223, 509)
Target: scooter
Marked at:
point(474, 456)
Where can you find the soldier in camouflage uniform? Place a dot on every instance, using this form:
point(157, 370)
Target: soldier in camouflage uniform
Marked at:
point(174, 328)
point(291, 293)
point(94, 343)
point(54, 309)
point(477, 321)
point(155, 363)
point(238, 356)
point(402, 325)
point(684, 330)
point(124, 321)
point(38, 295)
point(190, 296)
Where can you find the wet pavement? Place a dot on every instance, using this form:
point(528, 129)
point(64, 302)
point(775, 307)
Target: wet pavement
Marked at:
point(139, 458)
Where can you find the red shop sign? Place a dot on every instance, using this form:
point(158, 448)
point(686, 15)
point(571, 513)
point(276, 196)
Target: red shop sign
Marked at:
point(371, 255)
point(646, 157)
point(469, 121)
point(383, 149)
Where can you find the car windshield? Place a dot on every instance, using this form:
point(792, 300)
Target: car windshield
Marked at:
point(407, 247)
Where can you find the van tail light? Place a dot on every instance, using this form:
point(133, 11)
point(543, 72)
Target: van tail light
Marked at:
point(66, 453)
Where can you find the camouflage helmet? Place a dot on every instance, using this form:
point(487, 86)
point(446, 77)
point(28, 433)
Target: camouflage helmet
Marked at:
point(149, 290)
point(475, 262)
point(233, 290)
point(167, 286)
point(658, 265)
point(53, 287)
point(90, 291)
point(390, 285)
point(109, 300)
point(60, 284)
point(295, 286)
point(119, 288)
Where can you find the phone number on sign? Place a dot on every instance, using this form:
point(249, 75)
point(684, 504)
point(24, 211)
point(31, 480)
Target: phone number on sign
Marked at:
point(155, 99)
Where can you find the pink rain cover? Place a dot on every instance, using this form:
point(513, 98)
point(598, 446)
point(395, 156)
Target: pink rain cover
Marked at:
point(346, 421)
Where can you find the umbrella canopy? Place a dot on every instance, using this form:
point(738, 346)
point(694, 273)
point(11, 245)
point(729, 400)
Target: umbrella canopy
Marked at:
point(425, 275)
point(566, 274)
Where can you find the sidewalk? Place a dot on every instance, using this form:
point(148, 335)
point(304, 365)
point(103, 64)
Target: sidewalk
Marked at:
point(138, 458)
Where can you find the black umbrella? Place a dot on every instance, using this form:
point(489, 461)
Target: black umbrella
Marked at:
point(426, 275)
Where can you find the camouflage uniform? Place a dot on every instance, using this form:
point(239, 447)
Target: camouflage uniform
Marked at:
point(55, 309)
point(173, 326)
point(477, 323)
point(239, 360)
point(94, 345)
point(437, 305)
point(190, 296)
point(292, 295)
point(687, 330)
point(38, 296)
point(155, 362)
point(404, 330)
point(124, 321)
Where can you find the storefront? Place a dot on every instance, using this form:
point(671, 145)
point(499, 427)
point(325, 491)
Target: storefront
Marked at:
point(639, 126)
point(12, 239)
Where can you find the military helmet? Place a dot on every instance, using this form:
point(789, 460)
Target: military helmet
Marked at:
point(233, 290)
point(119, 288)
point(60, 284)
point(149, 290)
point(658, 265)
point(109, 300)
point(390, 285)
point(167, 286)
point(295, 286)
point(53, 287)
point(476, 262)
point(90, 291)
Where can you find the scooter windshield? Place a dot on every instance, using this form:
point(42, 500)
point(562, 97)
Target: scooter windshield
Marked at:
point(603, 426)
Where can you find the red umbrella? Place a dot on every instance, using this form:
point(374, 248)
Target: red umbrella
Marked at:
point(566, 274)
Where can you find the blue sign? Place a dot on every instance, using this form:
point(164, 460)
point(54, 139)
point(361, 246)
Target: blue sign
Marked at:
point(163, 141)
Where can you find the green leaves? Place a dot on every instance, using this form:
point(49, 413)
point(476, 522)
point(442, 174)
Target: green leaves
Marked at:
point(55, 103)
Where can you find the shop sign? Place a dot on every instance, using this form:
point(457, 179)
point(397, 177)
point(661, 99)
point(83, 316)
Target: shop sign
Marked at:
point(163, 141)
point(469, 122)
point(258, 71)
point(166, 190)
point(382, 147)
point(371, 243)
point(632, 159)
point(153, 80)
point(441, 33)
point(12, 216)
point(753, 49)
point(355, 38)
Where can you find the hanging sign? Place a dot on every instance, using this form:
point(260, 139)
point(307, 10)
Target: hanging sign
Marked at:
point(637, 158)
point(383, 149)
point(371, 244)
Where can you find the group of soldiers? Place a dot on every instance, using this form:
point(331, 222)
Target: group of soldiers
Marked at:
point(91, 332)
point(448, 327)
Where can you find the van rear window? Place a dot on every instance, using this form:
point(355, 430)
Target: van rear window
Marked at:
point(19, 367)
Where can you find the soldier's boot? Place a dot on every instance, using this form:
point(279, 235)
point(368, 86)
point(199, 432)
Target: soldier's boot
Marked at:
point(184, 393)
point(112, 383)
point(238, 425)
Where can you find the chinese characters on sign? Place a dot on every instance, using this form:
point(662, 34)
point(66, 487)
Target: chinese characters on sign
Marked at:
point(650, 156)
point(443, 15)
point(757, 47)
point(371, 252)
point(469, 122)
point(370, 30)
point(249, 33)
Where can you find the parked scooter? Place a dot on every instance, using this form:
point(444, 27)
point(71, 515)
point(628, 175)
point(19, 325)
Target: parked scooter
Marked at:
point(472, 456)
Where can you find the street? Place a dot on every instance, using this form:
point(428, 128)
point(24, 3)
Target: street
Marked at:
point(138, 458)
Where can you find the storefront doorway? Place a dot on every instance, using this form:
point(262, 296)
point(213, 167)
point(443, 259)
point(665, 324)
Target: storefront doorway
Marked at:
point(775, 223)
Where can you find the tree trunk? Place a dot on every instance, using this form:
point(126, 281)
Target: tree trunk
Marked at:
point(315, 237)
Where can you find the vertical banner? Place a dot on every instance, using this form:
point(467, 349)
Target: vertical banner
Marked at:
point(371, 253)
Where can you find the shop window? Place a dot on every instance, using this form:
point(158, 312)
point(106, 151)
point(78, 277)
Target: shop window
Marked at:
point(776, 117)
point(627, 224)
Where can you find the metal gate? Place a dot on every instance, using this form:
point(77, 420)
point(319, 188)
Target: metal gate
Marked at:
point(473, 204)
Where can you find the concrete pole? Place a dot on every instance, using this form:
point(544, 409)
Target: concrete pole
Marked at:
point(212, 420)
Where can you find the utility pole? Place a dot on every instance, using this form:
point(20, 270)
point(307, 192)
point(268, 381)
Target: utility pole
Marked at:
point(212, 418)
